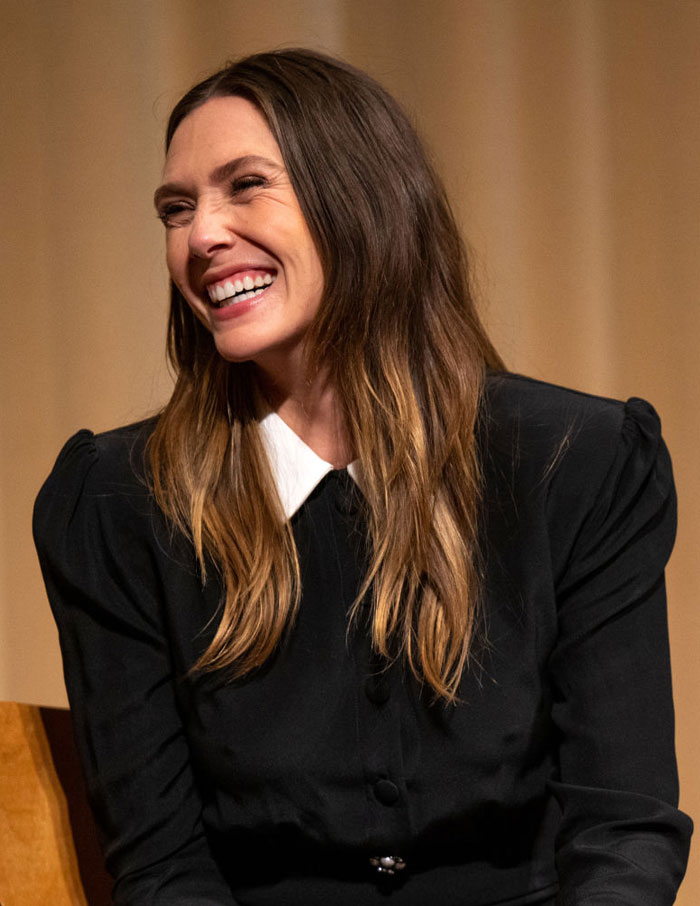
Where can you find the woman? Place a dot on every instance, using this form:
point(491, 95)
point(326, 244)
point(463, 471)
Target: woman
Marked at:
point(359, 614)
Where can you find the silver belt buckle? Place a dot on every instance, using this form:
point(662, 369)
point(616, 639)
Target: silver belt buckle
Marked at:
point(387, 865)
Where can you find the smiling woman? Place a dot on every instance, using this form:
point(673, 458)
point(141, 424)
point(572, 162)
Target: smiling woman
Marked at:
point(360, 614)
point(238, 247)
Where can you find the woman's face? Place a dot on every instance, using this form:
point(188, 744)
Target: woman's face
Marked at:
point(238, 247)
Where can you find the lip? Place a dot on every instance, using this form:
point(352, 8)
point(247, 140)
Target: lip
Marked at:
point(226, 273)
point(234, 311)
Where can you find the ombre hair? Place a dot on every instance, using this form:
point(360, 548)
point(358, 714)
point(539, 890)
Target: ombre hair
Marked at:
point(398, 335)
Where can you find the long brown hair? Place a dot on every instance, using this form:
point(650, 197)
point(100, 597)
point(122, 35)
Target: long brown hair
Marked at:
point(399, 335)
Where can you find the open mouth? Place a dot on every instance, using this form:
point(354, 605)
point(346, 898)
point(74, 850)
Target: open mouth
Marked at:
point(229, 292)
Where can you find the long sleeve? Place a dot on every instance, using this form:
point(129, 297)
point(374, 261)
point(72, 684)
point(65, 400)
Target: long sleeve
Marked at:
point(94, 534)
point(621, 839)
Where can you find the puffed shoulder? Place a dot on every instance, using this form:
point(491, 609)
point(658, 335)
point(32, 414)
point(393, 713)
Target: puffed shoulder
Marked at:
point(627, 514)
point(639, 463)
point(597, 467)
point(91, 471)
point(120, 453)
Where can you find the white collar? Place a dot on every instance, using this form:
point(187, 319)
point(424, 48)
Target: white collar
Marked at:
point(297, 470)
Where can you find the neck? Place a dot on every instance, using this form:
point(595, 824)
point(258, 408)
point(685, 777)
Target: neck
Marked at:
point(310, 407)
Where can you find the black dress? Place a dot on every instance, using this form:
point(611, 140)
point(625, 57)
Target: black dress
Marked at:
point(554, 779)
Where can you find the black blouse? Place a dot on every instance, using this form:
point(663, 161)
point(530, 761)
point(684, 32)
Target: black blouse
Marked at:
point(553, 781)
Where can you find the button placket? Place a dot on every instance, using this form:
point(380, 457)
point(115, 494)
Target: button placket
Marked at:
point(388, 822)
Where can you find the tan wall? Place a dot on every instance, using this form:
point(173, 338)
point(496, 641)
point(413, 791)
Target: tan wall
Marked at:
point(568, 132)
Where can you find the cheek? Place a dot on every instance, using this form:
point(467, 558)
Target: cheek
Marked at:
point(316, 279)
point(195, 307)
point(176, 258)
point(312, 275)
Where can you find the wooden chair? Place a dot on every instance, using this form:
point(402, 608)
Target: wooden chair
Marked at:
point(48, 848)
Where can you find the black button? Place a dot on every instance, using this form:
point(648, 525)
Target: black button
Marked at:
point(377, 689)
point(386, 792)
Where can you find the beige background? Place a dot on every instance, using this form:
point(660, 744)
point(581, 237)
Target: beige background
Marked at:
point(568, 133)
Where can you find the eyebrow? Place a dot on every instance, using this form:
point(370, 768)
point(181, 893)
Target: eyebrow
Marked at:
point(218, 175)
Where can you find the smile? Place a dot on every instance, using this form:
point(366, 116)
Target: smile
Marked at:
point(229, 292)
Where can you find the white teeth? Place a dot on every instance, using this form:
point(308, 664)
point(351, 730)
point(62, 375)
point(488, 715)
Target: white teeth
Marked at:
point(237, 290)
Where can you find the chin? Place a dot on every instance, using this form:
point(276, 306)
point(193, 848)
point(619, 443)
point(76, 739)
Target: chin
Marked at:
point(234, 355)
point(239, 352)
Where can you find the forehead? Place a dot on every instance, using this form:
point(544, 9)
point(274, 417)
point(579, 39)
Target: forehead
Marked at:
point(220, 129)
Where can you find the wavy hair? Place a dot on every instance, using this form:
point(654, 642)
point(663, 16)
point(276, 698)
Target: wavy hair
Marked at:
point(397, 332)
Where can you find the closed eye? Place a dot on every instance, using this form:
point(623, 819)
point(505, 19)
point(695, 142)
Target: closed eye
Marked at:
point(174, 213)
point(245, 183)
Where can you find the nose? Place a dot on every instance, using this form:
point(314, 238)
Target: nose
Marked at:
point(210, 231)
